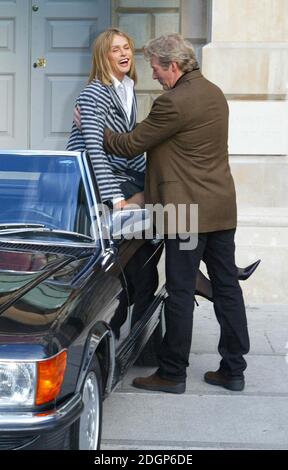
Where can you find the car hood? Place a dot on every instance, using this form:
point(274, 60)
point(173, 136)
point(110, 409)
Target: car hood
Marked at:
point(35, 288)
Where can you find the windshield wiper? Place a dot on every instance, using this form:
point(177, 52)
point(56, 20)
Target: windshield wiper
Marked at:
point(37, 228)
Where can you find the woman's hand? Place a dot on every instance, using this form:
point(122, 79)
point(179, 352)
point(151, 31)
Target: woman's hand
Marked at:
point(120, 204)
point(137, 200)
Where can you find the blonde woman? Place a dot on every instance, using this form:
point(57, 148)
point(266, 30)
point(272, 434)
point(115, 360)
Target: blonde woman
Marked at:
point(109, 100)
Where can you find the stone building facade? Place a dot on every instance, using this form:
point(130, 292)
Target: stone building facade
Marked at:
point(242, 46)
point(248, 58)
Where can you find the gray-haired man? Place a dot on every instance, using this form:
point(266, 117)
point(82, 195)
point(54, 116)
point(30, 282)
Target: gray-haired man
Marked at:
point(185, 136)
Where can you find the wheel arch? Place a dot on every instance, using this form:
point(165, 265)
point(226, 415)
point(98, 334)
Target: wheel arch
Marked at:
point(100, 342)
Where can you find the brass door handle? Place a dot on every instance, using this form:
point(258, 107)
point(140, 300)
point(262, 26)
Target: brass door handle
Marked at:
point(41, 62)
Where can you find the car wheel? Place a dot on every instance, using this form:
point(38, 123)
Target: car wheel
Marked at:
point(86, 432)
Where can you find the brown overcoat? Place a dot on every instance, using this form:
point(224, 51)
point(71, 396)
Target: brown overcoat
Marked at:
point(185, 136)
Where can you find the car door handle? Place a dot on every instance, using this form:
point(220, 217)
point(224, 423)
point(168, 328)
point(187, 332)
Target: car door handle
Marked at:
point(109, 257)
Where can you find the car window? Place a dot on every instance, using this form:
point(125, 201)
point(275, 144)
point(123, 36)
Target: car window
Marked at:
point(47, 190)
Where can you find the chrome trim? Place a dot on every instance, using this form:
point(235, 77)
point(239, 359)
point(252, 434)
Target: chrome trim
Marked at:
point(43, 229)
point(94, 342)
point(53, 153)
point(94, 201)
point(4, 361)
point(41, 421)
point(112, 362)
point(85, 172)
point(46, 243)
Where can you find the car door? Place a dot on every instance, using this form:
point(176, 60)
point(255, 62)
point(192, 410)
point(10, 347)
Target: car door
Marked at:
point(139, 259)
point(129, 264)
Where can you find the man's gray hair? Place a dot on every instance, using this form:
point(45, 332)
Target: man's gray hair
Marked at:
point(172, 48)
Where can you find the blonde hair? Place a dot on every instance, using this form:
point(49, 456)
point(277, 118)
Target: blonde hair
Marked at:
point(101, 68)
point(172, 48)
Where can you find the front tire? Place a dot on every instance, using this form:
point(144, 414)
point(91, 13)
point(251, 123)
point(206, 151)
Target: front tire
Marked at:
point(86, 432)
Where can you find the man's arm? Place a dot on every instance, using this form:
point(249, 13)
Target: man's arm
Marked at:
point(163, 122)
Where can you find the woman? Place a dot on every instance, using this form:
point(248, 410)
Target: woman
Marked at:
point(109, 101)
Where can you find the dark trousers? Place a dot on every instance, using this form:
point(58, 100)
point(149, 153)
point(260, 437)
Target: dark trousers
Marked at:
point(217, 249)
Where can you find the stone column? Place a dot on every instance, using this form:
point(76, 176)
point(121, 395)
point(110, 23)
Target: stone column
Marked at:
point(248, 58)
point(143, 20)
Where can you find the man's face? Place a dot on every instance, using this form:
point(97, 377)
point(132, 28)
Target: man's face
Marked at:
point(166, 77)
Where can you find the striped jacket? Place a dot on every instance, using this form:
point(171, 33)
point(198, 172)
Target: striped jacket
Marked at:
point(101, 107)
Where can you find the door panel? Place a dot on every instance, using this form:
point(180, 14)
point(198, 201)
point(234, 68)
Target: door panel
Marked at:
point(62, 33)
point(37, 103)
point(14, 86)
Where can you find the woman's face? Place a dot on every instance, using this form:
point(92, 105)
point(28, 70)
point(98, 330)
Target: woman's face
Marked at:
point(120, 56)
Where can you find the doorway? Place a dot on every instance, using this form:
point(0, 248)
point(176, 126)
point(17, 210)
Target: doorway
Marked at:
point(45, 58)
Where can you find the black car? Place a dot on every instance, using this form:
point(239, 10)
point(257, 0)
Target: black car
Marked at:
point(79, 299)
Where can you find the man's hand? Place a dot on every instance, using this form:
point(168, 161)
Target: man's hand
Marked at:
point(77, 117)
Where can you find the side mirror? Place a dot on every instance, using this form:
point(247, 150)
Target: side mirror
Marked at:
point(130, 223)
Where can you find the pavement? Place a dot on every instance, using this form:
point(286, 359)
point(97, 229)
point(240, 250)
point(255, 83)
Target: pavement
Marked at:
point(206, 416)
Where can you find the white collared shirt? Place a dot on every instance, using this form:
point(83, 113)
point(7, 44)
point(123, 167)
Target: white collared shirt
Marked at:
point(125, 91)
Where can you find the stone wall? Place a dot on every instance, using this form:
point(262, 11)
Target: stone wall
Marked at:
point(248, 58)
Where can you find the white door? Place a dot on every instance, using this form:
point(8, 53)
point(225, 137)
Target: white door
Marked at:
point(14, 73)
point(45, 58)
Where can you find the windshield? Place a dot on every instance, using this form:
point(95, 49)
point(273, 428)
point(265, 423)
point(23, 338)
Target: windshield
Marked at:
point(43, 190)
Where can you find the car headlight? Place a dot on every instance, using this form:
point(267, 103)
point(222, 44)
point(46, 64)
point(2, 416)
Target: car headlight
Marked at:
point(17, 383)
point(31, 383)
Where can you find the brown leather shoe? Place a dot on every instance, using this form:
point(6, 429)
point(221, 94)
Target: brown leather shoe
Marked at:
point(231, 383)
point(156, 384)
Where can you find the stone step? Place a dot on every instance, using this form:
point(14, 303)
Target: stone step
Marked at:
point(191, 421)
point(208, 417)
point(263, 217)
point(263, 233)
point(222, 421)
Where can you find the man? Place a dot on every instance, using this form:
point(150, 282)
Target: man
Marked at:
point(185, 136)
